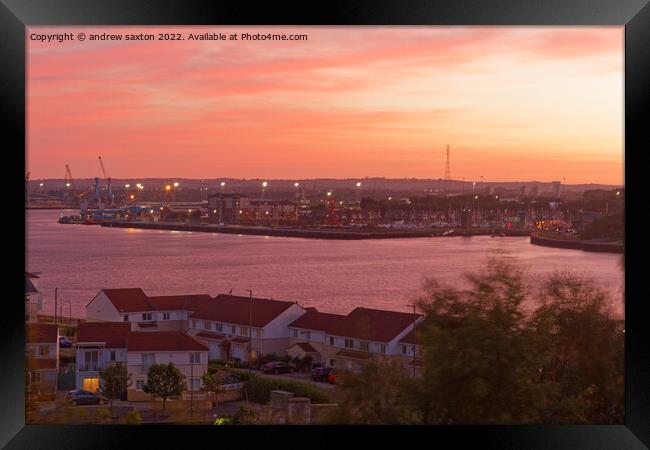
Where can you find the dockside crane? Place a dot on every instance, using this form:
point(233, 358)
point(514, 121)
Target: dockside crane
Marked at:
point(109, 192)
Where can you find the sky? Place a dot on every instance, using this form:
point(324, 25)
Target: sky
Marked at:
point(513, 104)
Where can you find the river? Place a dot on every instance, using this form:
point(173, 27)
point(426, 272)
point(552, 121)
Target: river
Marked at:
point(334, 276)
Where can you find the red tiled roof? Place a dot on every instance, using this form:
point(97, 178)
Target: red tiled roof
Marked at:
point(351, 354)
point(208, 335)
point(41, 363)
point(113, 334)
point(128, 300)
point(305, 346)
point(174, 302)
point(161, 341)
point(372, 324)
point(316, 320)
point(236, 309)
point(41, 332)
point(31, 275)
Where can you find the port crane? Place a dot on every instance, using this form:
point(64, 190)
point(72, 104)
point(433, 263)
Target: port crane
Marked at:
point(109, 192)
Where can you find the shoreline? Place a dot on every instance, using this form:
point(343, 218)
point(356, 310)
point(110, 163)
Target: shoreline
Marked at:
point(587, 246)
point(309, 234)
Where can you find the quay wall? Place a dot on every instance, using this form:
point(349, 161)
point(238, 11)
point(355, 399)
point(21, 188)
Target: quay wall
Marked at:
point(606, 247)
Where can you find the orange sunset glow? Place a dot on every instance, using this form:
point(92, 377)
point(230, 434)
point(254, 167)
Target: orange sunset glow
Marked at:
point(513, 103)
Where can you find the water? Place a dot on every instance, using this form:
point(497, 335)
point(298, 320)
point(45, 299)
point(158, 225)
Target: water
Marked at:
point(334, 276)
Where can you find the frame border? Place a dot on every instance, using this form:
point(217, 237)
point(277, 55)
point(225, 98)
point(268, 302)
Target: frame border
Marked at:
point(16, 15)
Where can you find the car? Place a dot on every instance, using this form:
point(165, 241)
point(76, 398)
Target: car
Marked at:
point(276, 367)
point(64, 342)
point(320, 373)
point(331, 376)
point(81, 397)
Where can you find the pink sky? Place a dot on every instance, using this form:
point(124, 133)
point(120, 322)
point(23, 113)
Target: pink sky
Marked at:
point(514, 104)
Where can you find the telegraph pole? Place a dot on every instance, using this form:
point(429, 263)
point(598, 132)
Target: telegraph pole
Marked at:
point(415, 342)
point(250, 328)
point(56, 299)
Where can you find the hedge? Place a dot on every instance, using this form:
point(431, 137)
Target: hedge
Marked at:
point(259, 388)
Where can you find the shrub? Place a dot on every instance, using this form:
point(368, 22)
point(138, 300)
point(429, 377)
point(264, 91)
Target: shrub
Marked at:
point(133, 418)
point(259, 389)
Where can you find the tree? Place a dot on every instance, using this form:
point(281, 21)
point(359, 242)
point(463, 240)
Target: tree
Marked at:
point(115, 380)
point(378, 395)
point(164, 381)
point(213, 383)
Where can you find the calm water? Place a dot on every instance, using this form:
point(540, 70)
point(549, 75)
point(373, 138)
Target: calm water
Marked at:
point(334, 276)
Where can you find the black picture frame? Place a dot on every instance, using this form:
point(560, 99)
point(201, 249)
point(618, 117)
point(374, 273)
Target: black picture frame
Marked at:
point(15, 15)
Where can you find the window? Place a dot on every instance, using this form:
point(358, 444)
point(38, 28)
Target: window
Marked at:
point(243, 331)
point(206, 325)
point(139, 384)
point(43, 350)
point(218, 327)
point(113, 355)
point(308, 334)
point(363, 345)
point(349, 343)
point(295, 333)
point(232, 329)
point(166, 316)
point(36, 377)
point(126, 317)
point(258, 332)
point(194, 324)
point(195, 358)
point(146, 316)
point(195, 384)
point(331, 362)
point(147, 360)
point(404, 350)
point(91, 384)
point(382, 348)
point(331, 340)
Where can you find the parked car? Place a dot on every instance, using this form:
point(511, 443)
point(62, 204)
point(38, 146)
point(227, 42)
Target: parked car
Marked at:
point(331, 376)
point(64, 342)
point(80, 397)
point(276, 367)
point(320, 373)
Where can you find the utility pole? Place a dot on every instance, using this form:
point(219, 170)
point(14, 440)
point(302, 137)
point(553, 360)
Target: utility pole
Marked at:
point(415, 342)
point(250, 328)
point(56, 299)
point(192, 383)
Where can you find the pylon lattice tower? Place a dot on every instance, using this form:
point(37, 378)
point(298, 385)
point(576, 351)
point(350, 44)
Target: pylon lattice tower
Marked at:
point(447, 171)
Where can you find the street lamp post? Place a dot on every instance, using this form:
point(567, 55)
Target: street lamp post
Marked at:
point(415, 342)
point(56, 299)
point(250, 328)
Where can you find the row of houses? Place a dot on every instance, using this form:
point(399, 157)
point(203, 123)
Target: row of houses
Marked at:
point(128, 326)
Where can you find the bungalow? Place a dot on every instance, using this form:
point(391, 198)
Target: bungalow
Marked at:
point(42, 357)
point(229, 324)
point(349, 341)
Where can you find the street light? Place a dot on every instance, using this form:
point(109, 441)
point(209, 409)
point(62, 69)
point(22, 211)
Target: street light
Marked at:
point(415, 342)
point(358, 183)
point(250, 328)
point(296, 184)
point(176, 184)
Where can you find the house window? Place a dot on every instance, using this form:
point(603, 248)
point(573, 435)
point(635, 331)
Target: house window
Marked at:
point(243, 331)
point(295, 333)
point(147, 360)
point(146, 316)
point(331, 340)
point(382, 348)
point(36, 377)
point(232, 329)
point(166, 316)
point(196, 384)
point(126, 317)
point(195, 358)
point(404, 349)
point(206, 325)
point(308, 334)
point(139, 384)
point(258, 332)
point(113, 355)
point(91, 384)
point(363, 345)
point(218, 327)
point(43, 350)
point(349, 343)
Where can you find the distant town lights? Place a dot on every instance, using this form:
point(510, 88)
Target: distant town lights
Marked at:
point(176, 184)
point(358, 183)
point(329, 193)
point(41, 185)
point(223, 183)
point(265, 183)
point(127, 186)
point(296, 184)
point(67, 185)
point(168, 187)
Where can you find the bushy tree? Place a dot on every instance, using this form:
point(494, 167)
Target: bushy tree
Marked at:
point(115, 381)
point(164, 381)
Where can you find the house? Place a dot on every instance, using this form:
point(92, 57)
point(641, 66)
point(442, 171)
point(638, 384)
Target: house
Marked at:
point(33, 298)
point(186, 352)
point(411, 352)
point(42, 357)
point(98, 345)
point(227, 322)
point(349, 341)
point(302, 350)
